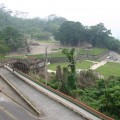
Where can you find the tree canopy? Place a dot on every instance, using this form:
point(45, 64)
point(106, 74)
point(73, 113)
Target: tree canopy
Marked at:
point(74, 33)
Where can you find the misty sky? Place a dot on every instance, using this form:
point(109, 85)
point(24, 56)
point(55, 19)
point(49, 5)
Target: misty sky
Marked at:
point(88, 12)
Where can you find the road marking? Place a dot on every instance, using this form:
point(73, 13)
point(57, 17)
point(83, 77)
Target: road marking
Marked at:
point(8, 113)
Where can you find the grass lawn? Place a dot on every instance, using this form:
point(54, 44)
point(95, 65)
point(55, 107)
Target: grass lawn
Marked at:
point(93, 51)
point(19, 56)
point(51, 55)
point(79, 65)
point(110, 69)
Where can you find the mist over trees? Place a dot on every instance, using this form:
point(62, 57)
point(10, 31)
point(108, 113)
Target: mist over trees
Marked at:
point(15, 29)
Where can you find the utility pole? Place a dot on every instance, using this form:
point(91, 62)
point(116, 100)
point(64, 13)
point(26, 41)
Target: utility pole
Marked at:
point(46, 74)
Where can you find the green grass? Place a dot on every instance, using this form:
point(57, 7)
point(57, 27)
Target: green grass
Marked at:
point(51, 55)
point(18, 56)
point(84, 65)
point(93, 51)
point(110, 69)
point(54, 65)
point(36, 56)
point(79, 65)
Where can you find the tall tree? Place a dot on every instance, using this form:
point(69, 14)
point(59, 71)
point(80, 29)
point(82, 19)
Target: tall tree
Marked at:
point(70, 33)
point(99, 35)
point(72, 77)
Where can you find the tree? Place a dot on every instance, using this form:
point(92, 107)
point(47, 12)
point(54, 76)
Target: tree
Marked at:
point(99, 35)
point(70, 33)
point(86, 79)
point(72, 77)
point(3, 48)
point(13, 38)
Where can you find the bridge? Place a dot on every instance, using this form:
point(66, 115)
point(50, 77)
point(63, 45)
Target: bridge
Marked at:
point(47, 103)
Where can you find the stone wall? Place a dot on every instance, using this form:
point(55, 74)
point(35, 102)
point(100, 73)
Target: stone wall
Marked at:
point(94, 57)
point(80, 57)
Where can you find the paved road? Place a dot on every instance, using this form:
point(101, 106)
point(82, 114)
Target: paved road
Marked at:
point(9, 110)
point(113, 57)
point(52, 110)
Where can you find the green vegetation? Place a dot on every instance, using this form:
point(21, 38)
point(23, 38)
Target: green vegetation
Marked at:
point(51, 55)
point(75, 34)
point(110, 69)
point(54, 65)
point(14, 56)
point(93, 51)
point(83, 64)
point(104, 96)
point(79, 65)
point(36, 28)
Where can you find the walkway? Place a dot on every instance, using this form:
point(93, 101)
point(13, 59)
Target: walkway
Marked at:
point(95, 66)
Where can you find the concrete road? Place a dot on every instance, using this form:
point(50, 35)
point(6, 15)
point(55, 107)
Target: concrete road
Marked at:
point(52, 110)
point(4, 115)
point(9, 110)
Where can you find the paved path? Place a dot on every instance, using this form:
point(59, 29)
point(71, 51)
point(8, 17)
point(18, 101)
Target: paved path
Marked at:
point(52, 110)
point(51, 71)
point(95, 66)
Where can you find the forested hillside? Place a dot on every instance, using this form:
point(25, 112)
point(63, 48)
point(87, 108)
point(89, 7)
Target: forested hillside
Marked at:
point(15, 29)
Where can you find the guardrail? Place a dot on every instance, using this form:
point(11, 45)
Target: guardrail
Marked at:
point(37, 112)
point(70, 99)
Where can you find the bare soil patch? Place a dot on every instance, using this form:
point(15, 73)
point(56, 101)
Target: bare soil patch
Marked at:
point(51, 47)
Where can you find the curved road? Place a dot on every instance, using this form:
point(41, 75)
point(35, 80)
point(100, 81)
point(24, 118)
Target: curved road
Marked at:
point(51, 109)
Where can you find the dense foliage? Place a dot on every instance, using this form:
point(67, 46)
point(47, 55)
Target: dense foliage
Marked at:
point(104, 96)
point(74, 33)
point(36, 28)
point(101, 94)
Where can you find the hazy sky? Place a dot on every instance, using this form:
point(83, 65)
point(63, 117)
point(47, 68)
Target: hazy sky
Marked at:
point(88, 12)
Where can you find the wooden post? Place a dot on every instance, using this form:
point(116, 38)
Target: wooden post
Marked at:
point(46, 74)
